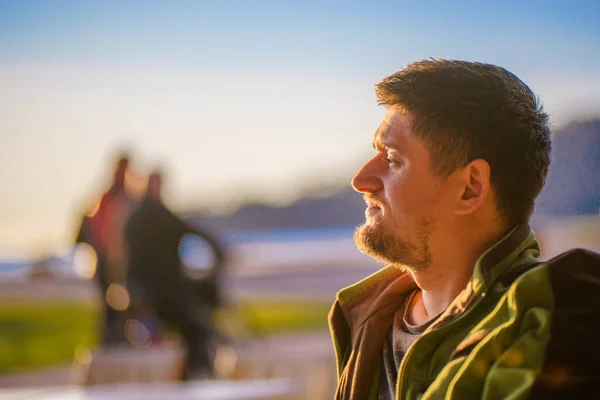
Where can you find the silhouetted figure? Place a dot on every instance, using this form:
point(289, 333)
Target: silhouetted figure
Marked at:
point(156, 279)
point(103, 229)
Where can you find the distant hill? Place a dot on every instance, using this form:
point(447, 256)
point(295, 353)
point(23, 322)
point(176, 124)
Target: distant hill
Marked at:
point(573, 188)
point(573, 185)
point(343, 208)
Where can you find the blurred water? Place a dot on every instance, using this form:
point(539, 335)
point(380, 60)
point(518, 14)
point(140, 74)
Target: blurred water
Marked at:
point(246, 249)
point(10, 267)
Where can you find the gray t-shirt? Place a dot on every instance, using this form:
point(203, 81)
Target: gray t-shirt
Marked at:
point(401, 336)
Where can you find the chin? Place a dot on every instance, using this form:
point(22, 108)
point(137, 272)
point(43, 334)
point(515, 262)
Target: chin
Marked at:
point(370, 239)
point(373, 240)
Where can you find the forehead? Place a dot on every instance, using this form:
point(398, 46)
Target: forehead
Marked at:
point(392, 115)
point(394, 130)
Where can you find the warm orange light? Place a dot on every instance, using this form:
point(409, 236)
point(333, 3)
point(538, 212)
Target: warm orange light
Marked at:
point(117, 297)
point(92, 211)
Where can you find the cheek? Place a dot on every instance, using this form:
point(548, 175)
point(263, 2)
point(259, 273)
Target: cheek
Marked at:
point(403, 189)
point(445, 203)
point(411, 195)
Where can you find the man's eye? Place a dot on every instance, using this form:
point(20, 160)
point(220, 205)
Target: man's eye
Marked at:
point(390, 161)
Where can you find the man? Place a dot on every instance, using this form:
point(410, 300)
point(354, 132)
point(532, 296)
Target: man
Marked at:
point(102, 228)
point(464, 309)
point(156, 278)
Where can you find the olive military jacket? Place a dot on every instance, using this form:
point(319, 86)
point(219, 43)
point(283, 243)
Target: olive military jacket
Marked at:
point(520, 329)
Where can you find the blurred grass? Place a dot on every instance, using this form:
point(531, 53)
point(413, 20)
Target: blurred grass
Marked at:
point(273, 316)
point(35, 334)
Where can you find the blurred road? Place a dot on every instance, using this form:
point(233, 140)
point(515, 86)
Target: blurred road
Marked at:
point(264, 389)
point(306, 359)
point(318, 282)
point(321, 282)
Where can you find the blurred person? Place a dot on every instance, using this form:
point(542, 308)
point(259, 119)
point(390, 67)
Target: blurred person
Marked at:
point(156, 278)
point(464, 309)
point(103, 228)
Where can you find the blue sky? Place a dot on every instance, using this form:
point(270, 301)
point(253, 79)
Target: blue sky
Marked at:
point(254, 32)
point(247, 99)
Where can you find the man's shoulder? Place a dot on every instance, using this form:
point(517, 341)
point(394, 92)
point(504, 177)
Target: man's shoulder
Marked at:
point(579, 257)
point(567, 286)
point(576, 266)
point(571, 347)
point(545, 323)
point(574, 278)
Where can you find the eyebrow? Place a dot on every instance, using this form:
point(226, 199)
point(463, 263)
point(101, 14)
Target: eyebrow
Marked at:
point(381, 143)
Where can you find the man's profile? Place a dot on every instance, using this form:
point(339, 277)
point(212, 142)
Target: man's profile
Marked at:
point(464, 308)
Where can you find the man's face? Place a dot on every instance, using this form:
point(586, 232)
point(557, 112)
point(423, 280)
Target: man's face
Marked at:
point(406, 202)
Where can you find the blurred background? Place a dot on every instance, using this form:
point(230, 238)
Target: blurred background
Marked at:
point(257, 113)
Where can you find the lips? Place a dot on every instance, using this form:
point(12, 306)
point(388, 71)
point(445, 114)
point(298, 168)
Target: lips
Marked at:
point(372, 212)
point(373, 208)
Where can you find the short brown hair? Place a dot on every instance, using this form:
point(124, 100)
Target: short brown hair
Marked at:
point(467, 110)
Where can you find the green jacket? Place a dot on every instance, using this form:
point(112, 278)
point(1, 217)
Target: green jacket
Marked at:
point(520, 329)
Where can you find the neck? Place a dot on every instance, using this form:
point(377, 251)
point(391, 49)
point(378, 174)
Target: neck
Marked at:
point(439, 289)
point(451, 269)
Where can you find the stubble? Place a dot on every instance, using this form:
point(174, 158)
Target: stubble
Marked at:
point(376, 241)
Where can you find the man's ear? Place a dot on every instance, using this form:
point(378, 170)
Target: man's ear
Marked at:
point(475, 186)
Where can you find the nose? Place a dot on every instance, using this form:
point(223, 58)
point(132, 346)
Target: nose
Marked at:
point(367, 179)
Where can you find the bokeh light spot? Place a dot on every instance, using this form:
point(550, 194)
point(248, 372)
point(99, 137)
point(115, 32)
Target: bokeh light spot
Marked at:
point(137, 333)
point(117, 297)
point(85, 261)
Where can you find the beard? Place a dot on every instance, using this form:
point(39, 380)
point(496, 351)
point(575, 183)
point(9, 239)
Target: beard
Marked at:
point(378, 242)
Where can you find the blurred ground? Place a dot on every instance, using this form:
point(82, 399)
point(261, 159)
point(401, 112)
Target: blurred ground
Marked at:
point(307, 358)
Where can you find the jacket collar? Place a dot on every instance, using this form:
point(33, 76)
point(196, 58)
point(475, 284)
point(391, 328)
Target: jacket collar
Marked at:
point(515, 248)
